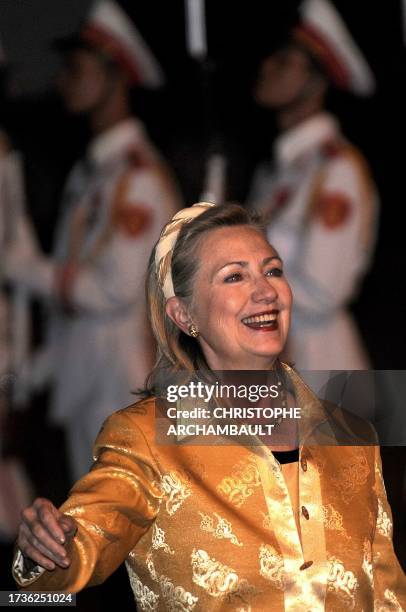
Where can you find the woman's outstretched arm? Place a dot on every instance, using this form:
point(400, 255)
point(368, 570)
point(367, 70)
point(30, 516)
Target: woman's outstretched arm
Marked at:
point(107, 512)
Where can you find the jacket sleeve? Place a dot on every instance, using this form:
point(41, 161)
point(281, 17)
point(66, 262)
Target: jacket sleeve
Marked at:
point(388, 577)
point(339, 231)
point(112, 276)
point(113, 505)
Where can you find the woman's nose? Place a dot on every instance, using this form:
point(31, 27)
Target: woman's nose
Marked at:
point(264, 290)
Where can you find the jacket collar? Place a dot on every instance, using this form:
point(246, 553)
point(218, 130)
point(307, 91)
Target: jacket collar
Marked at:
point(313, 413)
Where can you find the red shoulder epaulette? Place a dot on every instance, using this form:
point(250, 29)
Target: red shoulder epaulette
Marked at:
point(333, 148)
point(136, 159)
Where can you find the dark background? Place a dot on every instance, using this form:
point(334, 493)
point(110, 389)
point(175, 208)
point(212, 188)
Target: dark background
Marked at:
point(212, 103)
point(216, 100)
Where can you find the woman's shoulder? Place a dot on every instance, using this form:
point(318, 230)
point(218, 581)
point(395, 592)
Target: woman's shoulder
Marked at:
point(143, 407)
point(128, 433)
point(137, 417)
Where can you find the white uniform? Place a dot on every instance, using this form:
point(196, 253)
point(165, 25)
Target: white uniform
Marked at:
point(321, 209)
point(99, 348)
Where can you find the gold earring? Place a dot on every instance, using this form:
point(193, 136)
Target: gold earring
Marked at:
point(193, 331)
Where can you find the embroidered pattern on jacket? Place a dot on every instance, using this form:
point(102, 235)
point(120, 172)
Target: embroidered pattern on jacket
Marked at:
point(379, 476)
point(97, 530)
point(145, 598)
point(351, 477)
point(266, 521)
point(151, 567)
point(383, 522)
point(342, 581)
point(271, 565)
point(332, 519)
point(222, 530)
point(158, 540)
point(177, 599)
point(390, 603)
point(367, 561)
point(241, 484)
point(216, 578)
point(175, 491)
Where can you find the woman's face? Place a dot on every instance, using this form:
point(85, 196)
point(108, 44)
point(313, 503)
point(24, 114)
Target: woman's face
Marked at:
point(84, 81)
point(241, 300)
point(282, 77)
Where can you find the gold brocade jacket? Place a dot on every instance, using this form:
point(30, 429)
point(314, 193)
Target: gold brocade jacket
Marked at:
point(209, 528)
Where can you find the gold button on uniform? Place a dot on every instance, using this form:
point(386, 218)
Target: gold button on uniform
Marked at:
point(303, 463)
point(305, 513)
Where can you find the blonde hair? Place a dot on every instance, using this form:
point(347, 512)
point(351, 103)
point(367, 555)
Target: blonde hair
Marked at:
point(176, 350)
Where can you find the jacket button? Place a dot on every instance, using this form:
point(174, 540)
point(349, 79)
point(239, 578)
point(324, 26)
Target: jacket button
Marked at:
point(305, 565)
point(305, 513)
point(303, 463)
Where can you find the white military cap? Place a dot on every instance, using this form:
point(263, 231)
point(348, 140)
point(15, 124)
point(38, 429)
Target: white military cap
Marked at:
point(323, 31)
point(109, 30)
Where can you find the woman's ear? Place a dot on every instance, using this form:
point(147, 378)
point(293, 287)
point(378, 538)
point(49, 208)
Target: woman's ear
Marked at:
point(177, 310)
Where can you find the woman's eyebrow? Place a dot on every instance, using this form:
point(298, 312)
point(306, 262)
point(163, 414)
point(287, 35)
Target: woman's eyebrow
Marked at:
point(269, 259)
point(228, 263)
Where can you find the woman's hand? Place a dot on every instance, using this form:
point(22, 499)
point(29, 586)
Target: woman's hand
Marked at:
point(43, 533)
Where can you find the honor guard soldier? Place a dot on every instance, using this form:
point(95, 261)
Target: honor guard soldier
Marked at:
point(318, 197)
point(116, 200)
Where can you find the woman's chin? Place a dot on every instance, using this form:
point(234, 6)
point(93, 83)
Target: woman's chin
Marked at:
point(268, 347)
point(261, 360)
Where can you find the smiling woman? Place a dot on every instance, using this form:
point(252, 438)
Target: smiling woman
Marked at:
point(313, 523)
point(227, 282)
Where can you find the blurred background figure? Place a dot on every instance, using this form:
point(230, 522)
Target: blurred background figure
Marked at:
point(318, 197)
point(115, 202)
point(15, 488)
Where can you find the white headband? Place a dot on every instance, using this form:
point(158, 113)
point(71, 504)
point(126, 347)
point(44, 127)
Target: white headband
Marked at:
point(167, 241)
